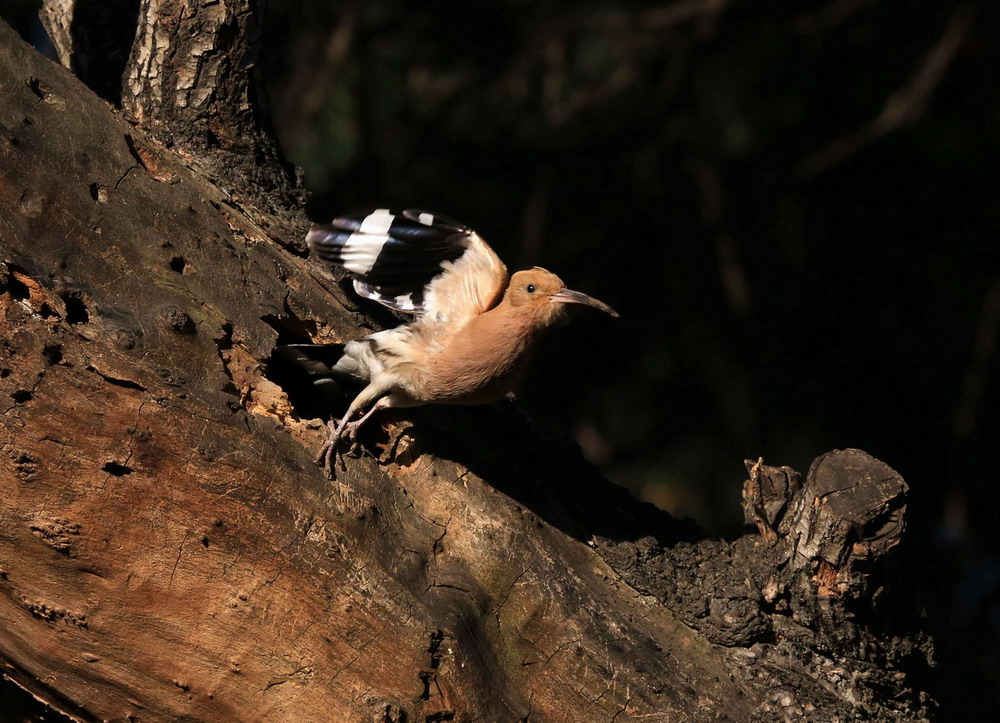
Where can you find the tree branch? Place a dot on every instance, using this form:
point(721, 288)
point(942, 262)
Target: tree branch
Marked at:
point(191, 82)
point(903, 107)
point(168, 550)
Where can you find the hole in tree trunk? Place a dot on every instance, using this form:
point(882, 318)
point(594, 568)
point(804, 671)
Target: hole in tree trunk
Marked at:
point(118, 470)
point(76, 310)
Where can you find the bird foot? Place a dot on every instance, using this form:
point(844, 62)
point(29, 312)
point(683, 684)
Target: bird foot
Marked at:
point(327, 456)
point(332, 450)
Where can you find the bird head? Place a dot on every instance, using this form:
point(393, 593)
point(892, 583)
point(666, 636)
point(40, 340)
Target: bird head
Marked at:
point(543, 294)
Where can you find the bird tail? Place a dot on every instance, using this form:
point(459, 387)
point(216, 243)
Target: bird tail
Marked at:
point(316, 360)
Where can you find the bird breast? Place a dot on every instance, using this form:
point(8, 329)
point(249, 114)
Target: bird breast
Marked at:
point(481, 363)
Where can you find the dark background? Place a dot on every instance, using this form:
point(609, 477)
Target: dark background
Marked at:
point(794, 206)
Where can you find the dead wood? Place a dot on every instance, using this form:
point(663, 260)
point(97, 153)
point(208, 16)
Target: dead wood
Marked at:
point(168, 551)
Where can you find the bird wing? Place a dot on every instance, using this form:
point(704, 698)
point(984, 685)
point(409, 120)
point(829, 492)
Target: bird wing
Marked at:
point(416, 262)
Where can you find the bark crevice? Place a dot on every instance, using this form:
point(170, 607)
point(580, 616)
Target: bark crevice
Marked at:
point(168, 549)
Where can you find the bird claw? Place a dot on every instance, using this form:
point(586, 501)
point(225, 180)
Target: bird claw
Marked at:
point(328, 452)
point(332, 450)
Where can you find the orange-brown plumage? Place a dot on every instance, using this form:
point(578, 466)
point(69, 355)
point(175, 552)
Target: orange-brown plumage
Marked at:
point(484, 360)
point(475, 329)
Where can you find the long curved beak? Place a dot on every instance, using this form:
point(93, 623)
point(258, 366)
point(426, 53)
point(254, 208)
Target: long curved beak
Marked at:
point(568, 296)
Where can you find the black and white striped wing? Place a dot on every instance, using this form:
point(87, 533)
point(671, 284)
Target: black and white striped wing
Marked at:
point(415, 262)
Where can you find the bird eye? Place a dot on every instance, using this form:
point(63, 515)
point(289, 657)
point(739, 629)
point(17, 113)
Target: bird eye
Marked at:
point(531, 288)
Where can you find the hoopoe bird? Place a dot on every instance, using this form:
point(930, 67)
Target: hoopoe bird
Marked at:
point(474, 327)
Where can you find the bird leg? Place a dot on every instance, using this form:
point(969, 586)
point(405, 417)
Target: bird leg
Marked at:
point(328, 452)
point(352, 427)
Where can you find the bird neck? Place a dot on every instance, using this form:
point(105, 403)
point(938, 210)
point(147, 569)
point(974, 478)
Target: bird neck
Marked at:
point(509, 329)
point(529, 320)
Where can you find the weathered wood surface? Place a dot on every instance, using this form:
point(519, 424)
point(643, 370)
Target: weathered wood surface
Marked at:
point(168, 550)
point(191, 83)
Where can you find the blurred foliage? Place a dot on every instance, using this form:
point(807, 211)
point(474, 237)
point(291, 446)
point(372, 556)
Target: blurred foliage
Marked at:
point(797, 219)
point(793, 205)
point(657, 155)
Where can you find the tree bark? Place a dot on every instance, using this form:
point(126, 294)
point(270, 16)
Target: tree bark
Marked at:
point(191, 82)
point(92, 38)
point(169, 551)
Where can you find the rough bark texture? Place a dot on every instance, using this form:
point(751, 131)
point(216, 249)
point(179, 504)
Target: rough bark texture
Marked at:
point(191, 83)
point(57, 19)
point(168, 550)
point(800, 602)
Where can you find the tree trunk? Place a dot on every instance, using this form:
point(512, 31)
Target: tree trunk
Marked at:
point(169, 551)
